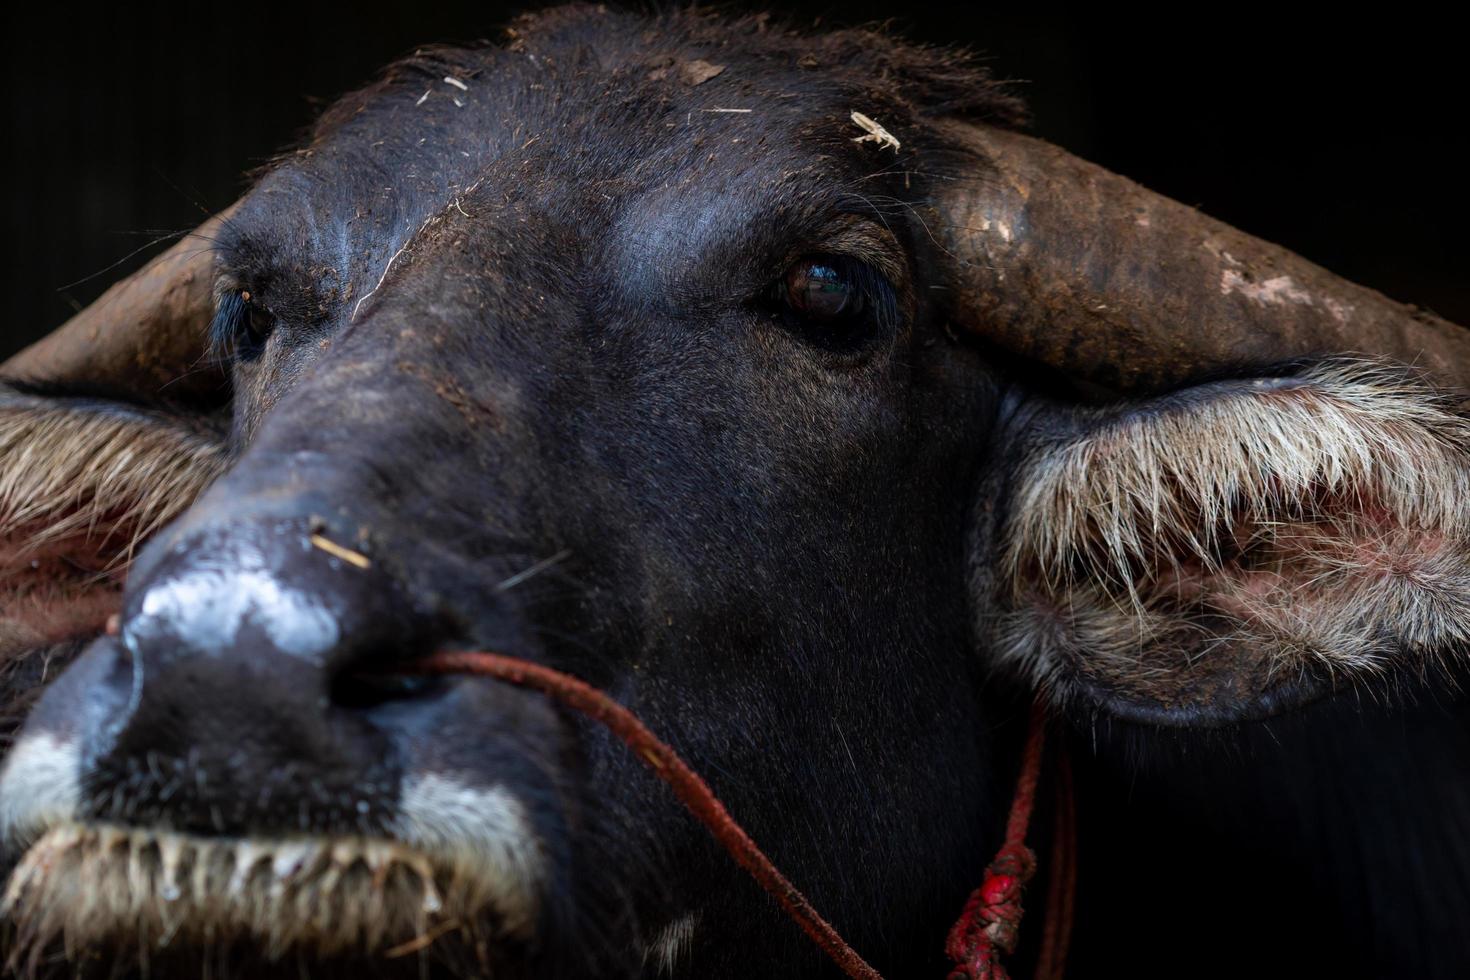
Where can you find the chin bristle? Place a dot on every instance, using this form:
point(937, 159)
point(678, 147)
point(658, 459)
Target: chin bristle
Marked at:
point(137, 892)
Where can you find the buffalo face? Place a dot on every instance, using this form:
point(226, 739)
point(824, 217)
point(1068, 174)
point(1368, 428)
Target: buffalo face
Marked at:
point(618, 349)
point(569, 364)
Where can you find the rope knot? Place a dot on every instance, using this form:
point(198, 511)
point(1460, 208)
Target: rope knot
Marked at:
point(990, 924)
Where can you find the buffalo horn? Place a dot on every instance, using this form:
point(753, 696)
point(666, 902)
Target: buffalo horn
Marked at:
point(145, 337)
point(1066, 264)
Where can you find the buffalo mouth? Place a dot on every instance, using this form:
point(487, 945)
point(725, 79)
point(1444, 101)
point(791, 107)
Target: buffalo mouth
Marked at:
point(110, 900)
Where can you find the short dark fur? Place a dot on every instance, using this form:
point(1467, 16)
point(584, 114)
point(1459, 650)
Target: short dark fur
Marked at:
point(530, 318)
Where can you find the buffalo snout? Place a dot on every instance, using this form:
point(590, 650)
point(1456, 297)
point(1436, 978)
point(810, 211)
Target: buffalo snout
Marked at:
point(251, 739)
point(233, 656)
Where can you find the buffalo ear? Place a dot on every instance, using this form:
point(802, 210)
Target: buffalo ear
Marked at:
point(1235, 549)
point(1225, 550)
point(82, 483)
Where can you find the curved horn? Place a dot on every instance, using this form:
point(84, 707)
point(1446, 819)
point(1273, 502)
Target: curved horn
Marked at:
point(1073, 266)
point(144, 335)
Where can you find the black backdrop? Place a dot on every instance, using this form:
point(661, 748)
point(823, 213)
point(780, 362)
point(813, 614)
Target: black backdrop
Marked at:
point(1339, 136)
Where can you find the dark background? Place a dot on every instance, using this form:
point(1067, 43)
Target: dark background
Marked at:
point(1339, 136)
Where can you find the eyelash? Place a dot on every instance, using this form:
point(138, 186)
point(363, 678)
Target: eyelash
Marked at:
point(240, 327)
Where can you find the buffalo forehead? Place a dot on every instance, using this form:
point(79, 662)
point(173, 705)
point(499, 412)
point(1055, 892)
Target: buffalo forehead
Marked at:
point(666, 160)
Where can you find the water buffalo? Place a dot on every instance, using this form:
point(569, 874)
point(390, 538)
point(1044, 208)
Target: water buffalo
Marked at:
point(776, 384)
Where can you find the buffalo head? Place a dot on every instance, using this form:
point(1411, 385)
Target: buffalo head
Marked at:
point(774, 384)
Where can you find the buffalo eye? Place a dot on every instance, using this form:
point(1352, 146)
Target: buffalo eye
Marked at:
point(834, 300)
point(241, 325)
point(258, 321)
point(820, 291)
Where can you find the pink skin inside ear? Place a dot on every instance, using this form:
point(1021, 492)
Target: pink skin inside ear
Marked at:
point(58, 590)
point(1303, 562)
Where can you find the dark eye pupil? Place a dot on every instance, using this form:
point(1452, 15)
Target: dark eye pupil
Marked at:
point(258, 321)
point(821, 291)
point(255, 325)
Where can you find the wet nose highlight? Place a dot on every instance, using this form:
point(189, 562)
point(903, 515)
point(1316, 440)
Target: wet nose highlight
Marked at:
point(285, 583)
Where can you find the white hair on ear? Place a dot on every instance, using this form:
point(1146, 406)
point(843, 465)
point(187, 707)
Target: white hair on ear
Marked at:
point(70, 469)
point(1323, 519)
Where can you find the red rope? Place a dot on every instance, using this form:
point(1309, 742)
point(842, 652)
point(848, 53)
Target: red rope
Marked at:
point(990, 924)
point(1061, 886)
point(692, 791)
point(987, 927)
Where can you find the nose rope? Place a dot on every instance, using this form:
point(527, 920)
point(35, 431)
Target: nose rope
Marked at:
point(989, 925)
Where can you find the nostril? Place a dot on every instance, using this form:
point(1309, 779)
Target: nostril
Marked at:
point(372, 687)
